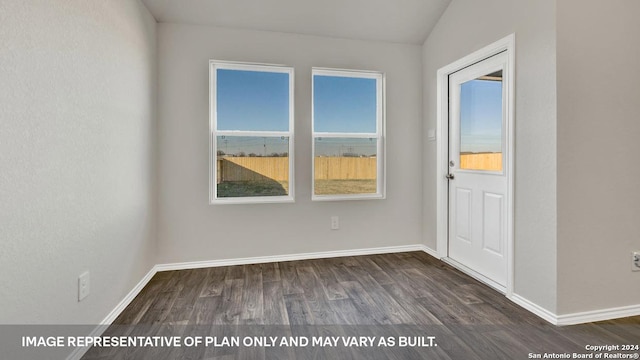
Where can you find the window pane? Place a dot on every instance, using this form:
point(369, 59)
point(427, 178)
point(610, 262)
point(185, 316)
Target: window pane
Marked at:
point(481, 123)
point(252, 166)
point(345, 166)
point(252, 100)
point(344, 104)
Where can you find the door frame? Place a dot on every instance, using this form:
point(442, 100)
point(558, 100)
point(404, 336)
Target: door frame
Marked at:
point(442, 153)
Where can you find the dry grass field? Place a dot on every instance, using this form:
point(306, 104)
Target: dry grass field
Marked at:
point(267, 176)
point(252, 188)
point(342, 187)
point(281, 188)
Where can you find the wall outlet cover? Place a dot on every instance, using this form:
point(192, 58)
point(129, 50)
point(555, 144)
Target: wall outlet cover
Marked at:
point(84, 285)
point(335, 223)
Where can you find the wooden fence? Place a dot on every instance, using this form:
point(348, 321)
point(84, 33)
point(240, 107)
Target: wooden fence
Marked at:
point(345, 168)
point(328, 168)
point(253, 169)
point(483, 161)
point(277, 168)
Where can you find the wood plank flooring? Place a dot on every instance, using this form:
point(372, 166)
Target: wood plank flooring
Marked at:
point(390, 295)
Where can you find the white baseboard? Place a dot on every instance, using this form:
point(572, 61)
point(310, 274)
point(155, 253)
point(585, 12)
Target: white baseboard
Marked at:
point(568, 319)
point(534, 308)
point(129, 298)
point(80, 351)
point(598, 315)
point(288, 257)
point(577, 318)
point(104, 324)
point(430, 251)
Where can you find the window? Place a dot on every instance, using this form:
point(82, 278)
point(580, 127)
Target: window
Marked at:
point(251, 122)
point(348, 135)
point(481, 123)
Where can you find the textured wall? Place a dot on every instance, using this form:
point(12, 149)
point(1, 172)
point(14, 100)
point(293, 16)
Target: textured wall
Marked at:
point(598, 147)
point(77, 141)
point(466, 26)
point(191, 229)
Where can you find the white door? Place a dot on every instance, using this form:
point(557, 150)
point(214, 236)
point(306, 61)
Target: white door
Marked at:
point(478, 169)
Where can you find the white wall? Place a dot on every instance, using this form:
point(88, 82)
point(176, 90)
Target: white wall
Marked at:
point(598, 147)
point(190, 229)
point(466, 26)
point(77, 139)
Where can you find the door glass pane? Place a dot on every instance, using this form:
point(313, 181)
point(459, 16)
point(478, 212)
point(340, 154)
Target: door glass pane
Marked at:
point(481, 123)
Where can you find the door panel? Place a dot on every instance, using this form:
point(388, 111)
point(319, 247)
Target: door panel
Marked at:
point(492, 224)
point(463, 214)
point(478, 184)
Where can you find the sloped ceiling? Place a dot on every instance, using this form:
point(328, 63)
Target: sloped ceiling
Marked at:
point(402, 21)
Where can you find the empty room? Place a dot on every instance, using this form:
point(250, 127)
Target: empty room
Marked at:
point(282, 179)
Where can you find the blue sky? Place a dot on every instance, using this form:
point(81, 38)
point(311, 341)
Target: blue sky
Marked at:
point(344, 104)
point(259, 101)
point(481, 116)
point(252, 100)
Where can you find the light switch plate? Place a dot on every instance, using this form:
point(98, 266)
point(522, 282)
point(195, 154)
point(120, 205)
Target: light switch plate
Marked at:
point(431, 134)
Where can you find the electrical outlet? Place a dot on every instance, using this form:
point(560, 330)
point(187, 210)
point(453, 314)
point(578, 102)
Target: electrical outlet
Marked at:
point(635, 261)
point(83, 285)
point(335, 223)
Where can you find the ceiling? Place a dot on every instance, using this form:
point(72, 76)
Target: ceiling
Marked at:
point(402, 21)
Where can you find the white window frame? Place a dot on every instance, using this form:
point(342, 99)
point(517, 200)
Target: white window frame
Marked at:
point(379, 135)
point(214, 132)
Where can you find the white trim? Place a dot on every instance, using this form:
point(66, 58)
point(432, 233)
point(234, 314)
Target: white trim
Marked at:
point(534, 308)
point(246, 65)
point(576, 318)
point(98, 330)
point(511, 152)
point(598, 315)
point(366, 74)
point(78, 352)
point(380, 135)
point(345, 135)
point(283, 199)
point(442, 146)
point(430, 251)
point(569, 319)
point(113, 315)
point(240, 133)
point(340, 197)
point(214, 132)
point(287, 257)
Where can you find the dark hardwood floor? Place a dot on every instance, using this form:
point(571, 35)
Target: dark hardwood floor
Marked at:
point(400, 296)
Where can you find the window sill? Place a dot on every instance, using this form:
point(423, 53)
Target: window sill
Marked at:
point(344, 197)
point(253, 200)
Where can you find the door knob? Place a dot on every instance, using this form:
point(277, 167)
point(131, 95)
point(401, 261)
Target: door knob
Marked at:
point(449, 176)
